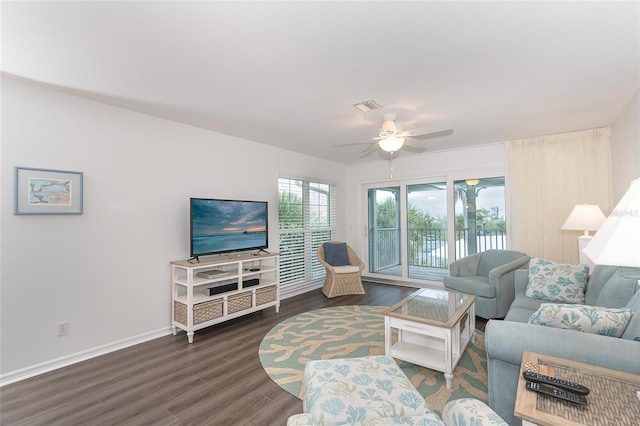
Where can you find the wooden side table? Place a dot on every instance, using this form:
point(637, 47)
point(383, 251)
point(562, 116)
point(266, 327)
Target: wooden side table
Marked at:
point(612, 400)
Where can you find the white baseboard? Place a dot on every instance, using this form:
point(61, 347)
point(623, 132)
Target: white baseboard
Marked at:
point(34, 370)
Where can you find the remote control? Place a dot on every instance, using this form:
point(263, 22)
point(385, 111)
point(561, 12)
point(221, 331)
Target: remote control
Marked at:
point(562, 384)
point(557, 393)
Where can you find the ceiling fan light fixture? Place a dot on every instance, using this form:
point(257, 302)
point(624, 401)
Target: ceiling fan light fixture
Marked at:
point(391, 143)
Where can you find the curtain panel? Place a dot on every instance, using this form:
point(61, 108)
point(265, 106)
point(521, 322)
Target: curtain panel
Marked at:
point(546, 177)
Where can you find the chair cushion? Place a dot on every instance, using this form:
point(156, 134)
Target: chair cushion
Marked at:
point(346, 269)
point(557, 282)
point(335, 254)
point(471, 285)
point(619, 289)
point(588, 319)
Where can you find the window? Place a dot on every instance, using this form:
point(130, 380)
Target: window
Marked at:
point(306, 218)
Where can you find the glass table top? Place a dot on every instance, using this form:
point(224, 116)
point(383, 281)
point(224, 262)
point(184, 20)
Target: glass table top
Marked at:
point(432, 306)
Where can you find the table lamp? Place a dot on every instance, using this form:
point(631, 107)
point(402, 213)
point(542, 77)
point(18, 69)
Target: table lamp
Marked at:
point(617, 242)
point(584, 217)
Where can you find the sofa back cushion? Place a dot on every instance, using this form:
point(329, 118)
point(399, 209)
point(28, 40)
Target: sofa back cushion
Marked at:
point(600, 274)
point(619, 289)
point(632, 332)
point(557, 282)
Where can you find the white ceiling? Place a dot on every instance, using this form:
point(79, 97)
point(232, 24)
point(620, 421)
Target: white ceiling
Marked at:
point(287, 73)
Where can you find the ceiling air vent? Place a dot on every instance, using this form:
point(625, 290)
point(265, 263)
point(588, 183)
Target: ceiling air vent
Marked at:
point(366, 106)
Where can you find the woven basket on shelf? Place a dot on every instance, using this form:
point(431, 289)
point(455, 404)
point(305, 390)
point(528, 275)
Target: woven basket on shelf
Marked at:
point(265, 295)
point(238, 302)
point(202, 312)
point(180, 312)
point(207, 311)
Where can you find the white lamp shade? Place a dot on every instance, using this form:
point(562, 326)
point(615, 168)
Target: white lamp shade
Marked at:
point(391, 143)
point(617, 242)
point(584, 217)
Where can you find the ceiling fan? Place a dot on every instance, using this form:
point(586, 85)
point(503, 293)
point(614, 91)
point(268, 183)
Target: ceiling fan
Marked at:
point(392, 138)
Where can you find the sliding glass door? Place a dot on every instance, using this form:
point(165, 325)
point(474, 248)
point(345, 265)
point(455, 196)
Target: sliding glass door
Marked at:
point(415, 228)
point(427, 230)
point(384, 230)
point(480, 215)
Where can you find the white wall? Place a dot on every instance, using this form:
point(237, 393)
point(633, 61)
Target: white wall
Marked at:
point(625, 147)
point(479, 160)
point(107, 271)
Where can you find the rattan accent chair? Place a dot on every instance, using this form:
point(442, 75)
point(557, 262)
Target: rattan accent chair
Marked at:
point(344, 279)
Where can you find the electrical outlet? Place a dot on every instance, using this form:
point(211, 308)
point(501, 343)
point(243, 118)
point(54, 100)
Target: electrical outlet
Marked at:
point(63, 328)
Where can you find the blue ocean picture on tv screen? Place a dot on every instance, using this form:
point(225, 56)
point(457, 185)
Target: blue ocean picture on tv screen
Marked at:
point(224, 226)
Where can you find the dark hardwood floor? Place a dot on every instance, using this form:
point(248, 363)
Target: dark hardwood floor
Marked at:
point(217, 380)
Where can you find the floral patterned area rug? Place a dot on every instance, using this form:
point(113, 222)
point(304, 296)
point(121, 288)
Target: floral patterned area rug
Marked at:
point(355, 331)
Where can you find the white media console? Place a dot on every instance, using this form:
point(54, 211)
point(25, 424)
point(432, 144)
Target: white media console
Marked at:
point(214, 291)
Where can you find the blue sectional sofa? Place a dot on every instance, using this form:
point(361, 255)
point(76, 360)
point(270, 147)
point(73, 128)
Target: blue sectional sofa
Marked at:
point(507, 339)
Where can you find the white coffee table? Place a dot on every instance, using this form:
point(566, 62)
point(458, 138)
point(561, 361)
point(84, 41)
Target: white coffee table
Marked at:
point(431, 328)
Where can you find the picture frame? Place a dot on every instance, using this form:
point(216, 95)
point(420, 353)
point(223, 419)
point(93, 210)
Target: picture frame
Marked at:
point(47, 191)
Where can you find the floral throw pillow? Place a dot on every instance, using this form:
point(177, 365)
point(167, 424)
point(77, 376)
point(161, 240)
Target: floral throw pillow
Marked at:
point(588, 319)
point(557, 282)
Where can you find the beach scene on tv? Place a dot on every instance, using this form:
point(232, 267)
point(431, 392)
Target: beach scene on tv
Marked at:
point(224, 226)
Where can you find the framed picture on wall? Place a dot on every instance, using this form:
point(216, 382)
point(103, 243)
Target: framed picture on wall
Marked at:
point(44, 191)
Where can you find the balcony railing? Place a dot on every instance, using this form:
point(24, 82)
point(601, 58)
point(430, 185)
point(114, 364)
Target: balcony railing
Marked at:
point(428, 247)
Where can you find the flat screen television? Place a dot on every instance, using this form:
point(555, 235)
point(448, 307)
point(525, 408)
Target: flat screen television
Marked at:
point(225, 226)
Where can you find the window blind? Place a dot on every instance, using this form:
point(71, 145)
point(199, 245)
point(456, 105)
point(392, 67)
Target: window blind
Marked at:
point(306, 217)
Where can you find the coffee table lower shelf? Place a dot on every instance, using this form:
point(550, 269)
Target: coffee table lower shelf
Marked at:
point(420, 355)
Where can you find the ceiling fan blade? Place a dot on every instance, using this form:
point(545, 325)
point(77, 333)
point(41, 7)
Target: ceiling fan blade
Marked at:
point(423, 132)
point(353, 141)
point(414, 143)
point(351, 144)
point(368, 150)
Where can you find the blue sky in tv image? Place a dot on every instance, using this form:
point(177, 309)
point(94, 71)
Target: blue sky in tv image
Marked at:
point(219, 226)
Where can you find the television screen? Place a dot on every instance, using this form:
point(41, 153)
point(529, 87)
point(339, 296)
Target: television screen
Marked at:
point(222, 226)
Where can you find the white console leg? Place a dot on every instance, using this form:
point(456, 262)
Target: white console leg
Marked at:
point(448, 377)
point(174, 330)
point(278, 307)
point(190, 336)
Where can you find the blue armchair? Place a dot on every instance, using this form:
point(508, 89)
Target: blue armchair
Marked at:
point(490, 276)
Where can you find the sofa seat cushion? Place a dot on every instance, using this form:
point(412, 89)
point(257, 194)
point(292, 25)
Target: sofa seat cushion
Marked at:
point(557, 282)
point(522, 308)
point(352, 390)
point(471, 285)
point(588, 319)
